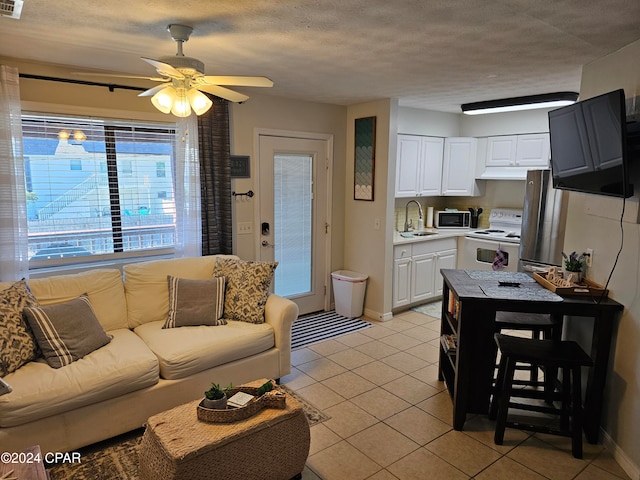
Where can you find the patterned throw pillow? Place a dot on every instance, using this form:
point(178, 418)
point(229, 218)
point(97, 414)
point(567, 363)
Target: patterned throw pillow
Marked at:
point(247, 288)
point(67, 331)
point(195, 302)
point(17, 343)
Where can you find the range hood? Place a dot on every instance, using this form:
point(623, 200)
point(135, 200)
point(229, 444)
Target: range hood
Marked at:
point(505, 173)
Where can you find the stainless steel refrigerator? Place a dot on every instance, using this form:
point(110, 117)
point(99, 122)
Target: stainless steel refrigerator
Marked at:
point(544, 219)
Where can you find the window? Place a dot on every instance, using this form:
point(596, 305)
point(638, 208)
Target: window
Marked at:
point(111, 201)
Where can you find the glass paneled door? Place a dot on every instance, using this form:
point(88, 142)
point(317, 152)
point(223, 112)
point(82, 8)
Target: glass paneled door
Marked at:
point(293, 217)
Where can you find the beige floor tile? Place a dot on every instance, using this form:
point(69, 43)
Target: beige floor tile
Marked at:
point(422, 333)
point(439, 406)
point(328, 347)
point(350, 358)
point(400, 341)
point(596, 473)
point(606, 462)
point(303, 355)
point(378, 331)
point(547, 460)
point(398, 323)
point(505, 468)
point(382, 444)
point(296, 379)
point(426, 351)
point(463, 452)
point(429, 374)
point(377, 349)
point(321, 396)
point(422, 464)
point(354, 339)
point(321, 369)
point(590, 452)
point(410, 389)
point(349, 384)
point(380, 403)
point(482, 429)
point(378, 373)
point(413, 317)
point(307, 474)
point(419, 426)
point(322, 437)
point(342, 461)
point(405, 362)
point(348, 419)
point(382, 475)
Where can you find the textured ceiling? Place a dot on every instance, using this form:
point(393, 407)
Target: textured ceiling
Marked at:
point(429, 54)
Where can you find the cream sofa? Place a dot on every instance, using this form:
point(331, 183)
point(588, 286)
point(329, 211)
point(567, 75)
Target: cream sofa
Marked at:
point(144, 369)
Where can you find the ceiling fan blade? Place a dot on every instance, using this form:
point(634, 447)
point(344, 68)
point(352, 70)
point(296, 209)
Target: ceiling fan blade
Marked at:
point(115, 75)
point(223, 93)
point(164, 68)
point(154, 90)
point(239, 81)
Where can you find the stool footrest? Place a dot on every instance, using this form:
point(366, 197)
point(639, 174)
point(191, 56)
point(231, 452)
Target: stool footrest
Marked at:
point(532, 427)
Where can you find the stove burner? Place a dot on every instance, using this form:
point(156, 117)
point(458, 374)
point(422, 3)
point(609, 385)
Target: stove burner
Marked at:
point(512, 235)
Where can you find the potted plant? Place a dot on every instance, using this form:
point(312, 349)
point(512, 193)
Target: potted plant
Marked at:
point(574, 265)
point(216, 397)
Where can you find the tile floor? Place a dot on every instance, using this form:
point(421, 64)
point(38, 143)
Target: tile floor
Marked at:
point(391, 417)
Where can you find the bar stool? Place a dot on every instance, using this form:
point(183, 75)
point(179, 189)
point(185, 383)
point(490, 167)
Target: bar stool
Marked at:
point(554, 354)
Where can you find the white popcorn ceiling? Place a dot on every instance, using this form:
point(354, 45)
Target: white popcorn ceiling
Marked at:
point(429, 54)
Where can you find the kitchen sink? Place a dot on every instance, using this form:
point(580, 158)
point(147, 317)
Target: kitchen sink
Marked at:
point(424, 234)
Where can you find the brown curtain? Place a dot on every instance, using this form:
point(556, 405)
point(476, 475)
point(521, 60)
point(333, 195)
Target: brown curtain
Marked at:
point(215, 178)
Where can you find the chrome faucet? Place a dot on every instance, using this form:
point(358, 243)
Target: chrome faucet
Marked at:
point(406, 214)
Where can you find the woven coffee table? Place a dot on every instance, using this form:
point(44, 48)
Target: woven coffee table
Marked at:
point(274, 444)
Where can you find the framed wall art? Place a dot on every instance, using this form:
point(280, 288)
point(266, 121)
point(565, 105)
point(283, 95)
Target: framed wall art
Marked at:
point(364, 158)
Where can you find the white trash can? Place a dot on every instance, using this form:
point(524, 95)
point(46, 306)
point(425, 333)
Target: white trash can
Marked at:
point(348, 291)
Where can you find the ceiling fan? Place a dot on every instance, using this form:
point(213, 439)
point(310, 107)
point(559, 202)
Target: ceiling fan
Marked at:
point(184, 81)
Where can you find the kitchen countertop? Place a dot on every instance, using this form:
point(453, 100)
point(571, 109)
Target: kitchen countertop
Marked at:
point(441, 233)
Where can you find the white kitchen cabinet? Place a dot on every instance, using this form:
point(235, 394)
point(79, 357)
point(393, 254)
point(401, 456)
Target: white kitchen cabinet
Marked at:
point(419, 166)
point(416, 270)
point(518, 151)
point(459, 167)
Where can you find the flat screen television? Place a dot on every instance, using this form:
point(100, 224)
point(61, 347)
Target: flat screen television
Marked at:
point(589, 146)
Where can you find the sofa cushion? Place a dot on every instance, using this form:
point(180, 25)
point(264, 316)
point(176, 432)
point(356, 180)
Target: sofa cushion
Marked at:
point(66, 332)
point(17, 343)
point(195, 302)
point(103, 286)
point(188, 350)
point(247, 288)
point(124, 365)
point(146, 287)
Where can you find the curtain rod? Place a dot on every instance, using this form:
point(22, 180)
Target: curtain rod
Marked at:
point(110, 86)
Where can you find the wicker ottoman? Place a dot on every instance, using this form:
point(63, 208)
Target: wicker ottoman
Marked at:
point(274, 444)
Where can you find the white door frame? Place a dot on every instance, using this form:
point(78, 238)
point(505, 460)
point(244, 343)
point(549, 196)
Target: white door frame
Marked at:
point(328, 139)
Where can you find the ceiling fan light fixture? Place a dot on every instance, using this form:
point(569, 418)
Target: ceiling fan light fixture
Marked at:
point(530, 102)
point(200, 103)
point(181, 106)
point(163, 100)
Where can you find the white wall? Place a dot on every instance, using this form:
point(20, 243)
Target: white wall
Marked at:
point(601, 231)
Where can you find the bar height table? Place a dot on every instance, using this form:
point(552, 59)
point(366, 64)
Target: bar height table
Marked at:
point(470, 302)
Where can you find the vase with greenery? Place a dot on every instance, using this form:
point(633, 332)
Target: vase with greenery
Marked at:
point(574, 265)
point(216, 397)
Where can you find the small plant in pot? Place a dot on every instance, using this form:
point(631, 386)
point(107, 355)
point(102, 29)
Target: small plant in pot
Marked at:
point(574, 265)
point(216, 397)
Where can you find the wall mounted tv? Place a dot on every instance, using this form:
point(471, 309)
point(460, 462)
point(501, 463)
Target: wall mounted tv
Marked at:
point(589, 146)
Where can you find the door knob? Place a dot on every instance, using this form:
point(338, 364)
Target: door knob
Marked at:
point(267, 244)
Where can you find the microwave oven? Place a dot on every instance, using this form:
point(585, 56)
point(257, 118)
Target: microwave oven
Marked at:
point(453, 219)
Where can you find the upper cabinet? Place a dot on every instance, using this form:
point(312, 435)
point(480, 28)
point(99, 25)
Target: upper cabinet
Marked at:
point(433, 166)
point(508, 157)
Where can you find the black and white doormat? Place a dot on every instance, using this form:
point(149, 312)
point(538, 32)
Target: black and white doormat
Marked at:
point(315, 327)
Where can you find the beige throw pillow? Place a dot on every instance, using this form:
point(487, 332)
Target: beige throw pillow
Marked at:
point(17, 343)
point(195, 302)
point(67, 331)
point(247, 288)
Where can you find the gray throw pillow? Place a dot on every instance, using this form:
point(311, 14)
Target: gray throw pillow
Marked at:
point(17, 344)
point(67, 331)
point(195, 302)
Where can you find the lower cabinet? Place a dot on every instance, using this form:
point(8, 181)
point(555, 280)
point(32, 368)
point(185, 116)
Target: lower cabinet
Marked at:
point(416, 270)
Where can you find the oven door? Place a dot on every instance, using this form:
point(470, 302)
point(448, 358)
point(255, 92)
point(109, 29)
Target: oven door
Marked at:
point(478, 254)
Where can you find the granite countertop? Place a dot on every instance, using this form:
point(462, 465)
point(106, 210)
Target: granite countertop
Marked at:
point(398, 239)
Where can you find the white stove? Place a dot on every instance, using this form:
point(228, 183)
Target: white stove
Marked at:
point(480, 247)
point(504, 225)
